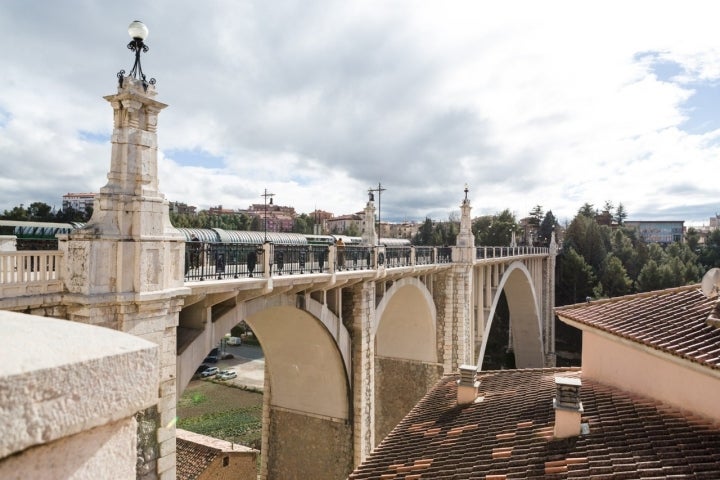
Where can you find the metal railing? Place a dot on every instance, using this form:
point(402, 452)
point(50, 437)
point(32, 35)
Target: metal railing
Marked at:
point(500, 252)
point(218, 260)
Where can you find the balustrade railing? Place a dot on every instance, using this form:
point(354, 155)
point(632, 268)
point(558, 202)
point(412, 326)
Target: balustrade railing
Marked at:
point(499, 252)
point(39, 268)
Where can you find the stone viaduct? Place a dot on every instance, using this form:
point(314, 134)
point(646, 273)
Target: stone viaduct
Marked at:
point(348, 353)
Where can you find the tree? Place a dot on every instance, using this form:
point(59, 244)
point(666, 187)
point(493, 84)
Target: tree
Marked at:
point(620, 214)
point(536, 216)
point(589, 239)
point(17, 213)
point(425, 233)
point(547, 227)
point(40, 212)
point(575, 278)
point(614, 280)
point(692, 237)
point(587, 210)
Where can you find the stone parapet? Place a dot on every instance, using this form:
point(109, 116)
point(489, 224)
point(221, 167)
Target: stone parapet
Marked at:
point(72, 388)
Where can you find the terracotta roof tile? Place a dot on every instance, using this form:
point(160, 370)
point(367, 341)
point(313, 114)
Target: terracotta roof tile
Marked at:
point(687, 331)
point(511, 435)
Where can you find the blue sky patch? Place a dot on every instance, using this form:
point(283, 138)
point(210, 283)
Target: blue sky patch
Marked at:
point(701, 107)
point(94, 137)
point(4, 117)
point(195, 157)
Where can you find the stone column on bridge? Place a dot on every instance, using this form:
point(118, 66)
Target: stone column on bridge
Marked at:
point(549, 297)
point(459, 336)
point(369, 236)
point(124, 269)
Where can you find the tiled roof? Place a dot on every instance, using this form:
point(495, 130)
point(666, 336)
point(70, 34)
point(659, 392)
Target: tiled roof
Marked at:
point(195, 453)
point(673, 320)
point(509, 435)
point(193, 459)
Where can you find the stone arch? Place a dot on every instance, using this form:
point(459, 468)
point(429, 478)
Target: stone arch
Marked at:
point(413, 336)
point(307, 355)
point(525, 319)
point(406, 365)
point(308, 428)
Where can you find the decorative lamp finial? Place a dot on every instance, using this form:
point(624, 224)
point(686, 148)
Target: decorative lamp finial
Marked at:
point(138, 32)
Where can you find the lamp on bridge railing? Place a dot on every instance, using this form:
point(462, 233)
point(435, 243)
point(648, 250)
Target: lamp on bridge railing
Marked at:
point(138, 32)
point(266, 195)
point(379, 191)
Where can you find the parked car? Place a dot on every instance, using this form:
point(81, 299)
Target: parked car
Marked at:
point(209, 372)
point(226, 375)
point(211, 359)
point(234, 341)
point(201, 369)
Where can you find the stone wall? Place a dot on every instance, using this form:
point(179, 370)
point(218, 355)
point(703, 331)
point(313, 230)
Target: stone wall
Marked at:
point(399, 385)
point(306, 447)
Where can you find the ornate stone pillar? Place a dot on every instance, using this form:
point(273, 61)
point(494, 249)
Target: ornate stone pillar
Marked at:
point(125, 268)
point(369, 236)
point(459, 332)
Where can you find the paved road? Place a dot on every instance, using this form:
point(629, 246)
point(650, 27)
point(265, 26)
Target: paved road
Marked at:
point(249, 363)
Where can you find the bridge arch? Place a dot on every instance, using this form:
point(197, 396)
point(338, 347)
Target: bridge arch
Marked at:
point(405, 322)
point(525, 317)
point(406, 357)
point(307, 354)
point(308, 403)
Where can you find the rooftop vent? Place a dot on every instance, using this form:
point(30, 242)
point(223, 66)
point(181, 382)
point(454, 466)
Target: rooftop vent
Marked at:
point(467, 386)
point(568, 407)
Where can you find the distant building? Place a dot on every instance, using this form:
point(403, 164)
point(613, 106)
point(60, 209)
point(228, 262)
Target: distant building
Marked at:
point(219, 210)
point(662, 231)
point(182, 208)
point(344, 222)
point(278, 218)
point(401, 230)
point(78, 201)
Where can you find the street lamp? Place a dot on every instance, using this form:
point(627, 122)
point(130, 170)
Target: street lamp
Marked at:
point(138, 32)
point(379, 191)
point(265, 195)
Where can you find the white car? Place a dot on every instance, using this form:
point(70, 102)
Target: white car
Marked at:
point(209, 372)
point(226, 375)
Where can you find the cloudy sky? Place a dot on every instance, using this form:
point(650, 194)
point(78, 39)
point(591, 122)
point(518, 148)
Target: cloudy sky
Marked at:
point(529, 103)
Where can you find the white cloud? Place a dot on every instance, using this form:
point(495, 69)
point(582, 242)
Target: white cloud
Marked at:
point(530, 103)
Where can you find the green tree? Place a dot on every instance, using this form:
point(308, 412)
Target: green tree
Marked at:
point(425, 233)
point(649, 278)
point(692, 237)
point(547, 227)
point(589, 239)
point(587, 210)
point(620, 214)
point(496, 230)
point(614, 280)
point(17, 213)
point(40, 212)
point(536, 216)
point(575, 278)
point(710, 254)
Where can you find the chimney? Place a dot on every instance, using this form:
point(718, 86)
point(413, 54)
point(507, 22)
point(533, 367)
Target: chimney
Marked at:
point(467, 386)
point(568, 407)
